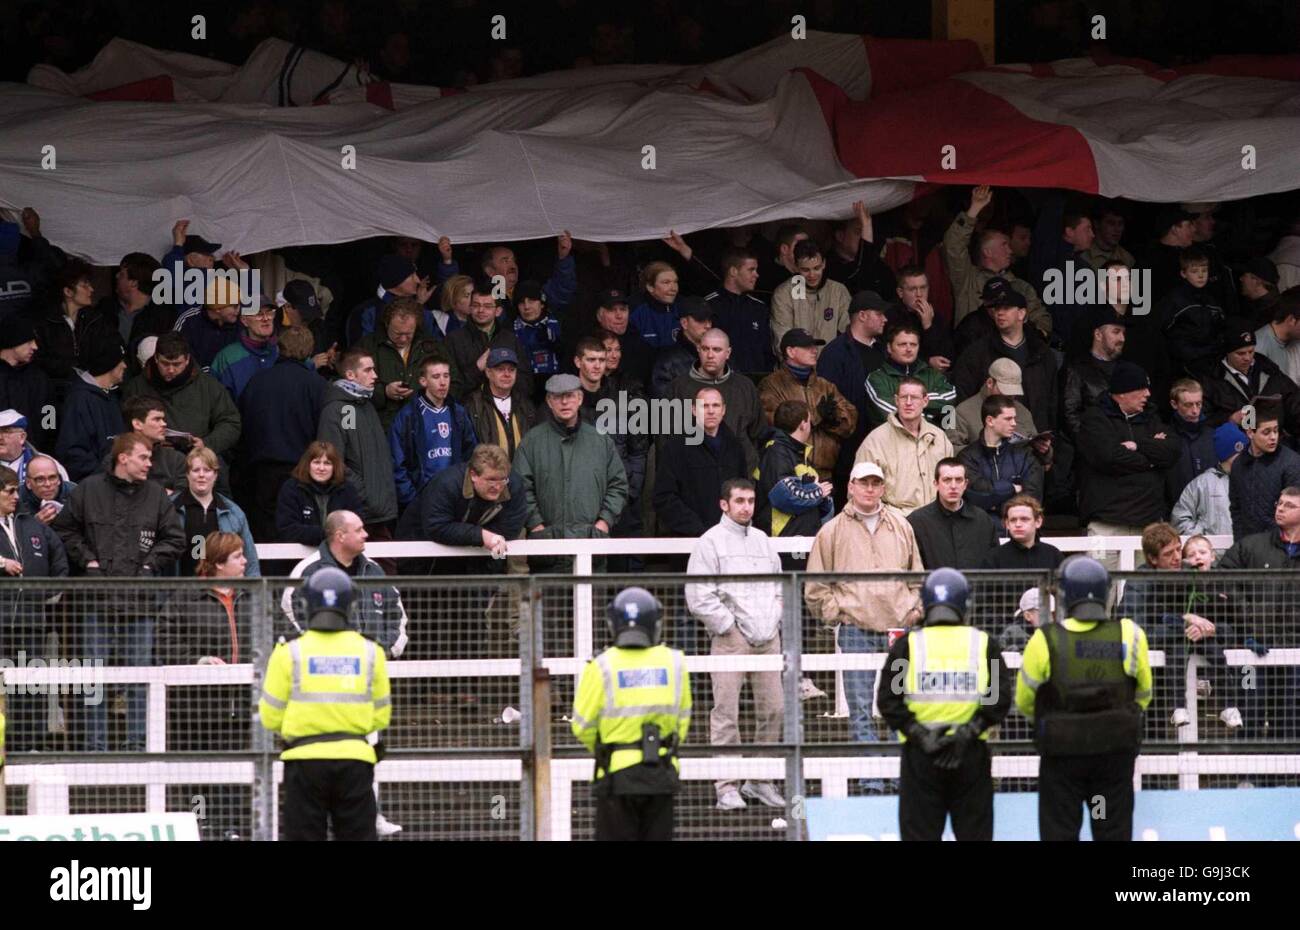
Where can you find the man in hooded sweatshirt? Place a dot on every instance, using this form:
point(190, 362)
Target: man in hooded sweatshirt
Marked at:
point(91, 417)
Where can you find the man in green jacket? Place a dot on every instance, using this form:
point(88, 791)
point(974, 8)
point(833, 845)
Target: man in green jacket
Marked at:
point(902, 348)
point(574, 482)
point(196, 402)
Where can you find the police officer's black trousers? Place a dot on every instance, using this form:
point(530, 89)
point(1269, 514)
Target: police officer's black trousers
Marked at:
point(1101, 784)
point(321, 792)
point(927, 795)
point(635, 817)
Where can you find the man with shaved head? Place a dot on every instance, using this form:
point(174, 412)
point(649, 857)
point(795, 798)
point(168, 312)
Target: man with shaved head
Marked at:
point(744, 408)
point(379, 615)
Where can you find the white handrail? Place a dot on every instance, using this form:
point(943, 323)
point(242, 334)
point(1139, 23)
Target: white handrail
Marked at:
point(1125, 545)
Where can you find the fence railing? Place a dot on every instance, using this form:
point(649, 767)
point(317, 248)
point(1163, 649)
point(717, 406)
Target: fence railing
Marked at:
point(480, 746)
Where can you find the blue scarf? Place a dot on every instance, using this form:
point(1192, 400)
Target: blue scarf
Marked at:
point(801, 372)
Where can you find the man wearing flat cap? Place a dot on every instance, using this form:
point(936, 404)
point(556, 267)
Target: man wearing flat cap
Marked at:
point(574, 483)
point(834, 419)
point(1124, 452)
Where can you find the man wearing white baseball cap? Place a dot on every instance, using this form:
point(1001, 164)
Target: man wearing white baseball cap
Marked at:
point(866, 536)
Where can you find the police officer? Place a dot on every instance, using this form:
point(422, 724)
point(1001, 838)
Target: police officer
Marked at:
point(325, 692)
point(947, 687)
point(1085, 683)
point(632, 710)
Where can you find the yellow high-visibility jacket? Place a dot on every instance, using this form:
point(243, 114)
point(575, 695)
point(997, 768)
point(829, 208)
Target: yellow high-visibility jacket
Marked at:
point(1036, 666)
point(327, 683)
point(623, 689)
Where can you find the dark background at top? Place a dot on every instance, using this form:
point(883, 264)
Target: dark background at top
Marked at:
point(447, 42)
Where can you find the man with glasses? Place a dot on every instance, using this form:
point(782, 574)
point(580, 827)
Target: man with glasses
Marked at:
point(476, 503)
point(254, 351)
point(46, 490)
point(907, 448)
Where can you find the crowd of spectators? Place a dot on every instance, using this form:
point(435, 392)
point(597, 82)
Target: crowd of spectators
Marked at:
point(914, 374)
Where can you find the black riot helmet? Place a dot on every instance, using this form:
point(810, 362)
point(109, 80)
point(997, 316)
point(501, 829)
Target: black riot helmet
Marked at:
point(329, 594)
point(944, 596)
point(1085, 586)
point(634, 618)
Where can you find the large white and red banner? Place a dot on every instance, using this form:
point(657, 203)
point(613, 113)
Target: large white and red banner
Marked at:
point(295, 147)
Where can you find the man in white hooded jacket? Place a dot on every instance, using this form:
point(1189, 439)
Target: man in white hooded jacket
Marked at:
point(743, 619)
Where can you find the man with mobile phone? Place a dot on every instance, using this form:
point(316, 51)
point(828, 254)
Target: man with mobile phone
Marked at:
point(45, 491)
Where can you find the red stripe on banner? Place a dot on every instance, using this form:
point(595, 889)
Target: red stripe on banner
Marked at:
point(904, 135)
point(899, 64)
point(830, 96)
point(380, 93)
point(157, 89)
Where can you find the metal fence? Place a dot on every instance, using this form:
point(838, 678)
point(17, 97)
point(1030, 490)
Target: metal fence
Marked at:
point(129, 696)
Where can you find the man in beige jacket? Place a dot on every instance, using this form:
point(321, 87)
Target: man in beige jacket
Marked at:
point(907, 447)
point(866, 536)
point(809, 300)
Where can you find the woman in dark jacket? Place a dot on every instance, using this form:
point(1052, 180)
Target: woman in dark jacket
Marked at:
point(315, 489)
point(211, 626)
point(61, 334)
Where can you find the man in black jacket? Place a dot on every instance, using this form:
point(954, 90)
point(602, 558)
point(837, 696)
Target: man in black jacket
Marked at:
point(1124, 452)
point(677, 359)
point(1021, 344)
point(1000, 463)
point(1086, 378)
point(121, 525)
point(1174, 228)
point(1272, 619)
point(91, 416)
point(691, 472)
point(470, 345)
point(1260, 474)
point(477, 503)
point(950, 532)
point(612, 315)
point(280, 411)
point(1195, 437)
point(130, 310)
point(1244, 376)
point(742, 316)
point(23, 386)
point(1023, 550)
point(28, 550)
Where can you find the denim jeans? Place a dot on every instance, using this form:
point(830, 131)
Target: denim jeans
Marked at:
point(119, 641)
point(860, 686)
